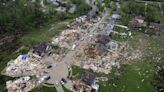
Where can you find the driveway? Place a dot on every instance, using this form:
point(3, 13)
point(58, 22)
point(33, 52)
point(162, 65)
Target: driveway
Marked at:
point(57, 71)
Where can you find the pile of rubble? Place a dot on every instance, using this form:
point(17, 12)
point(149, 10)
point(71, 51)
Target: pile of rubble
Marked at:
point(99, 55)
point(83, 22)
point(26, 65)
point(88, 83)
point(32, 64)
point(23, 65)
point(23, 84)
point(68, 38)
point(100, 64)
point(75, 32)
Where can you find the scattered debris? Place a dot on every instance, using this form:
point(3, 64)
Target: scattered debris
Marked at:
point(157, 26)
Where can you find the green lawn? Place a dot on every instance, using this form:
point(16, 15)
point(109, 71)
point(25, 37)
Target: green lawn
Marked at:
point(42, 35)
point(131, 81)
point(138, 75)
point(44, 89)
point(65, 89)
point(77, 72)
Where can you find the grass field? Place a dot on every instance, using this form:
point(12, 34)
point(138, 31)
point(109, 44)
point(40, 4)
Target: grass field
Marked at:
point(138, 75)
point(131, 80)
point(43, 35)
point(44, 89)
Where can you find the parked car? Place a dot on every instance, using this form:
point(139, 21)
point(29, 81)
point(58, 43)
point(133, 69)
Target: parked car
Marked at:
point(48, 67)
point(63, 81)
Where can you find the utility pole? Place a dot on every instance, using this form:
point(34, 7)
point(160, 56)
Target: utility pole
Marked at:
point(146, 8)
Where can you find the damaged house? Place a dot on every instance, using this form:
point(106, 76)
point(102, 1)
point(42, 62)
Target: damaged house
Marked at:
point(99, 47)
point(137, 21)
point(88, 78)
point(41, 49)
point(101, 42)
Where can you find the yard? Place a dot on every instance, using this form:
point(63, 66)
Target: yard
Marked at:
point(44, 89)
point(131, 80)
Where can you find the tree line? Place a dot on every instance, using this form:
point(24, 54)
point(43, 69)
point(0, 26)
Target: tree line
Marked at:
point(24, 15)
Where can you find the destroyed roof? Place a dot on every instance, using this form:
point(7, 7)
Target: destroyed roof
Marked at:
point(101, 49)
point(139, 17)
point(101, 42)
point(135, 23)
point(88, 78)
point(41, 48)
point(103, 39)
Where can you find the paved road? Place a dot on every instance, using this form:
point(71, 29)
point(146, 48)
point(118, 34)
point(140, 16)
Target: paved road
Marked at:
point(58, 71)
point(59, 88)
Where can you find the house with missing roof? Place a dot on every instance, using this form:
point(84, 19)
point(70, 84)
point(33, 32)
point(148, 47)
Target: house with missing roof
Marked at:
point(137, 21)
point(41, 49)
point(89, 79)
point(87, 83)
point(100, 45)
